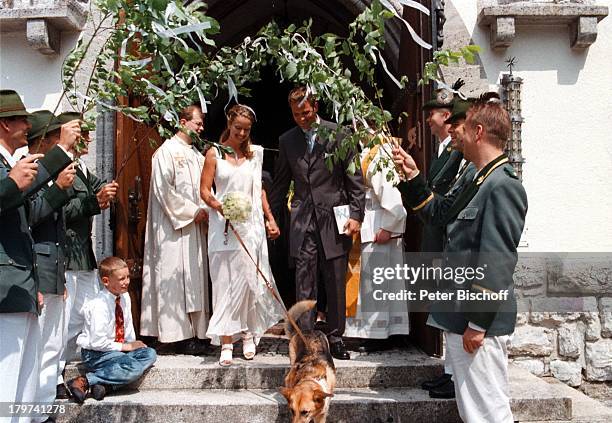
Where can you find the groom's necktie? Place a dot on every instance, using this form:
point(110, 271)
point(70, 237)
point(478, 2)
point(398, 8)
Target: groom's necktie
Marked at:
point(310, 139)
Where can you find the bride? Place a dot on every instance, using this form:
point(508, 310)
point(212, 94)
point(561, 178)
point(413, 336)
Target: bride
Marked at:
point(242, 305)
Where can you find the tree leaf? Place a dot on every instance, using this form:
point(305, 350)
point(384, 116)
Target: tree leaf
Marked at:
point(291, 70)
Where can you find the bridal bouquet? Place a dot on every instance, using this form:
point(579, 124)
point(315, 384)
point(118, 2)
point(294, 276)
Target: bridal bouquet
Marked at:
point(237, 206)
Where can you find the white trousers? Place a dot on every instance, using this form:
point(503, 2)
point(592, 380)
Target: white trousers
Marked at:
point(481, 379)
point(19, 362)
point(51, 323)
point(82, 286)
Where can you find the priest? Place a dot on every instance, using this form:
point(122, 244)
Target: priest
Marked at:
point(175, 306)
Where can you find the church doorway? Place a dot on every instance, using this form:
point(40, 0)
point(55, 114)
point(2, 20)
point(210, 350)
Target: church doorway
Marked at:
point(239, 19)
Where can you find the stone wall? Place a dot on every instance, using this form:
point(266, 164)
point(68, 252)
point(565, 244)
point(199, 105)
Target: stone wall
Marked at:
point(564, 327)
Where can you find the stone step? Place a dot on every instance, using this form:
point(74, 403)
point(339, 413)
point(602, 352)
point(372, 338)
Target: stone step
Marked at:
point(260, 406)
point(532, 400)
point(395, 368)
point(584, 408)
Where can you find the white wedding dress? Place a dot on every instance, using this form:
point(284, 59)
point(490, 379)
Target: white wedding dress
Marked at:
point(241, 301)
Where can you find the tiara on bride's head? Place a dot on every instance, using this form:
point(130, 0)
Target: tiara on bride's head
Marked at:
point(246, 107)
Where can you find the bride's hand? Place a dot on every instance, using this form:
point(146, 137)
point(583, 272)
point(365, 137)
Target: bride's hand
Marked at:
point(272, 229)
point(219, 208)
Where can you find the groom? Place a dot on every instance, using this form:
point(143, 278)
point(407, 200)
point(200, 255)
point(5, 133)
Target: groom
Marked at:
point(315, 244)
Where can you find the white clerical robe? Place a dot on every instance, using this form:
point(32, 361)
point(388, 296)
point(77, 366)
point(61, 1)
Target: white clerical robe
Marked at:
point(383, 210)
point(175, 265)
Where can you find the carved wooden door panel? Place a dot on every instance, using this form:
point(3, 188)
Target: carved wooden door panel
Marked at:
point(134, 147)
point(417, 138)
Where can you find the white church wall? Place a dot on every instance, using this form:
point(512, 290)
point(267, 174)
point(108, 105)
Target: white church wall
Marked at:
point(567, 98)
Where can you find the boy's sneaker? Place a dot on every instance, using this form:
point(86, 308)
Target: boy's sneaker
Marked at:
point(78, 387)
point(98, 392)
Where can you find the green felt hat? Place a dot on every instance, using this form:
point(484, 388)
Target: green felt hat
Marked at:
point(66, 117)
point(41, 121)
point(444, 98)
point(460, 108)
point(11, 104)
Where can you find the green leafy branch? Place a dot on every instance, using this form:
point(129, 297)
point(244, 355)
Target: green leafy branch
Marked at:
point(164, 57)
point(432, 70)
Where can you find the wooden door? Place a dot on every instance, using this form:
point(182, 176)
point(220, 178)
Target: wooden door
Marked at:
point(135, 145)
point(417, 138)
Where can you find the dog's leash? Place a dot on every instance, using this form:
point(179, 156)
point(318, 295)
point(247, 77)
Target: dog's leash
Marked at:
point(269, 286)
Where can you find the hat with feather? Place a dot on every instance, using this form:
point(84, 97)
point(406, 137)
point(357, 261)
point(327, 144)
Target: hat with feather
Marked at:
point(443, 98)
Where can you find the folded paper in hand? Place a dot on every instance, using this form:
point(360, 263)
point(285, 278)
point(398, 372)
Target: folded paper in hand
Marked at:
point(342, 214)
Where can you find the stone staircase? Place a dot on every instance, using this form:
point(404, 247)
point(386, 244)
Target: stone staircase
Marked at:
point(374, 387)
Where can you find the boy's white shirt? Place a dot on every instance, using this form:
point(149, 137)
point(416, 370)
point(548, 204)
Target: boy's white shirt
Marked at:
point(99, 327)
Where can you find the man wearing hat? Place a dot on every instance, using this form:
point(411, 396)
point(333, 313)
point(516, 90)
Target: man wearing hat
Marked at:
point(441, 175)
point(457, 134)
point(49, 233)
point(446, 160)
point(484, 224)
point(19, 302)
point(434, 215)
point(91, 196)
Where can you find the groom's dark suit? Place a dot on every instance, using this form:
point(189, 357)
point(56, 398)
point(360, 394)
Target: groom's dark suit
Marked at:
point(315, 242)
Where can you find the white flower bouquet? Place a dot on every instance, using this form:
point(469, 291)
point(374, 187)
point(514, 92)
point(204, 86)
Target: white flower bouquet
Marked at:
point(237, 206)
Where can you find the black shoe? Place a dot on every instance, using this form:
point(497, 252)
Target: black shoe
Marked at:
point(192, 346)
point(78, 388)
point(446, 391)
point(338, 351)
point(373, 345)
point(166, 348)
point(61, 392)
point(437, 382)
point(98, 392)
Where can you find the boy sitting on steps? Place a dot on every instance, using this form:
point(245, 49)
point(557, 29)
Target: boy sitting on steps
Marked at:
point(108, 343)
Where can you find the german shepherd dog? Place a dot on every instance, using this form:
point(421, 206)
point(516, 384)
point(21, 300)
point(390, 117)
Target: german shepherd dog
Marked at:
point(311, 381)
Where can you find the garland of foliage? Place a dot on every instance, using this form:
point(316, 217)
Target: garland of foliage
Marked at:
point(165, 58)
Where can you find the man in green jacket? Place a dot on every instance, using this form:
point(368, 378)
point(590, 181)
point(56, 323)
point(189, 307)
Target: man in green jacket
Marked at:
point(49, 233)
point(19, 284)
point(445, 161)
point(91, 196)
point(435, 216)
point(483, 229)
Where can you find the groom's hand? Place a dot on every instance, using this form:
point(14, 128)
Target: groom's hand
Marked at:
point(351, 227)
point(202, 216)
point(272, 229)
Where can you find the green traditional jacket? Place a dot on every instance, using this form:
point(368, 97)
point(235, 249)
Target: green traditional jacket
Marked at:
point(49, 234)
point(18, 276)
point(79, 213)
point(484, 222)
point(444, 170)
point(435, 214)
point(441, 176)
point(10, 196)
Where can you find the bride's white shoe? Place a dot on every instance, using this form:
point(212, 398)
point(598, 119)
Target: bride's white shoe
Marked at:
point(226, 360)
point(248, 346)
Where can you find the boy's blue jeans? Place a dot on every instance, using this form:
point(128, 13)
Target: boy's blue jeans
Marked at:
point(115, 367)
